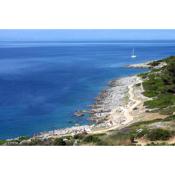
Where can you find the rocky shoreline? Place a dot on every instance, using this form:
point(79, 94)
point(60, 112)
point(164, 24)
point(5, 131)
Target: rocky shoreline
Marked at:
point(106, 112)
point(140, 65)
point(113, 99)
point(147, 65)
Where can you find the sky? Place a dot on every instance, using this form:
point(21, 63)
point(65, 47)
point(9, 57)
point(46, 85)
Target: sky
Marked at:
point(85, 35)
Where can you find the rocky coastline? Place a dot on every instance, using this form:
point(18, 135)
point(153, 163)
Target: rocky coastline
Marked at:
point(106, 112)
point(111, 100)
point(148, 65)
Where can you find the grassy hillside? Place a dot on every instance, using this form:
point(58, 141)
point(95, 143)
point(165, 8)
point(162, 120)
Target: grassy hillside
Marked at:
point(159, 84)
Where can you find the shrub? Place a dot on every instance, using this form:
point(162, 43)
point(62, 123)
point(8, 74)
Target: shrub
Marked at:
point(154, 63)
point(138, 84)
point(158, 134)
point(80, 136)
point(92, 139)
point(162, 101)
point(161, 87)
point(170, 118)
point(143, 132)
point(143, 75)
point(21, 138)
point(168, 111)
point(36, 141)
point(59, 141)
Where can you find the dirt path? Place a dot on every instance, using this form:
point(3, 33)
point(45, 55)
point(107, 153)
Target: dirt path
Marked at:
point(133, 103)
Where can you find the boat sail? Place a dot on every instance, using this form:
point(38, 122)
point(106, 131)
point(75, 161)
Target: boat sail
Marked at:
point(133, 54)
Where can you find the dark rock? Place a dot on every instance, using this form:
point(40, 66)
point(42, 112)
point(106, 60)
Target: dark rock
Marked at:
point(79, 113)
point(135, 108)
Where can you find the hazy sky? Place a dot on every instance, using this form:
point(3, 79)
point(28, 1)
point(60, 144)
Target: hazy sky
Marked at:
point(75, 35)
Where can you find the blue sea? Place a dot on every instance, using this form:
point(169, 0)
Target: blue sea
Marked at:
point(43, 83)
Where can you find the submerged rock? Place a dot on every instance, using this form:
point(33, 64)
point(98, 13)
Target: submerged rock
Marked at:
point(79, 113)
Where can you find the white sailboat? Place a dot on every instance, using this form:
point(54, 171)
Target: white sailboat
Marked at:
point(133, 54)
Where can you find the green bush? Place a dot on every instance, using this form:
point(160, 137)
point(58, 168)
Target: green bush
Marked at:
point(160, 86)
point(21, 138)
point(168, 110)
point(154, 63)
point(138, 84)
point(142, 133)
point(161, 101)
point(143, 75)
point(158, 134)
point(80, 136)
point(59, 141)
point(91, 139)
point(170, 118)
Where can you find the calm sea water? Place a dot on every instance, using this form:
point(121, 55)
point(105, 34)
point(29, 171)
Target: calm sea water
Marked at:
point(43, 83)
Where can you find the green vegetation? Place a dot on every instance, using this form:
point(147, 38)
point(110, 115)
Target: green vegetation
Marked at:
point(119, 138)
point(91, 139)
point(59, 141)
point(36, 142)
point(17, 140)
point(143, 123)
point(159, 134)
point(159, 84)
point(170, 118)
point(162, 101)
point(2, 142)
point(80, 136)
point(143, 75)
point(21, 138)
point(155, 63)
